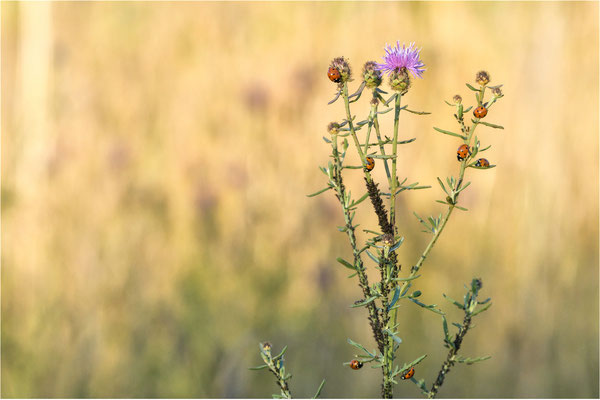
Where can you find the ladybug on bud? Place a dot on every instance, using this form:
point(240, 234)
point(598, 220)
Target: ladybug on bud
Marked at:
point(355, 364)
point(463, 152)
point(480, 112)
point(334, 75)
point(409, 374)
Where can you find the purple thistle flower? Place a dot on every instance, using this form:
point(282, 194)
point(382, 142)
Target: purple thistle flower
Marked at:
point(406, 57)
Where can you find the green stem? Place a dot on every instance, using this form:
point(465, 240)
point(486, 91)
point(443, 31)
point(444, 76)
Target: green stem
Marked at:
point(381, 147)
point(394, 183)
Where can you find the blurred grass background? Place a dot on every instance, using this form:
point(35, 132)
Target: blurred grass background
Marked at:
point(155, 228)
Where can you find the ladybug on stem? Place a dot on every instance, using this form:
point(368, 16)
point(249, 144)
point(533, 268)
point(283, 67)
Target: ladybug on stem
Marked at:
point(463, 152)
point(370, 164)
point(409, 374)
point(480, 112)
point(334, 75)
point(355, 364)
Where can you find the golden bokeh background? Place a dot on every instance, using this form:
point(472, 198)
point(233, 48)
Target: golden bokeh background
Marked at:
point(155, 226)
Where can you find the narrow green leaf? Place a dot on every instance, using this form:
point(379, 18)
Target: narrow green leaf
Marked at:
point(326, 140)
point(337, 95)
point(397, 244)
point(353, 275)
point(450, 133)
point(451, 105)
point(463, 187)
point(258, 368)
point(461, 208)
point(318, 192)
point(491, 125)
point(445, 326)
point(472, 88)
point(385, 111)
point(395, 298)
point(407, 141)
point(469, 360)
point(381, 156)
point(468, 109)
point(443, 187)
point(410, 278)
point(418, 112)
point(427, 307)
point(376, 259)
point(345, 263)
point(390, 99)
point(364, 303)
point(357, 202)
point(278, 356)
point(451, 300)
point(319, 389)
point(482, 309)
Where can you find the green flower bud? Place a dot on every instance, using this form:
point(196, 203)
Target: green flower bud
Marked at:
point(400, 81)
point(371, 75)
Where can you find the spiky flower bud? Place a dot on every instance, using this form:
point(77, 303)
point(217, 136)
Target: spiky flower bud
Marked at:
point(333, 128)
point(341, 64)
point(497, 92)
point(477, 283)
point(371, 75)
point(457, 99)
point(482, 78)
point(400, 81)
point(374, 101)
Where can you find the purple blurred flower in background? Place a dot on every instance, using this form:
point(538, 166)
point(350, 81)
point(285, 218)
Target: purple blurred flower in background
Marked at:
point(397, 58)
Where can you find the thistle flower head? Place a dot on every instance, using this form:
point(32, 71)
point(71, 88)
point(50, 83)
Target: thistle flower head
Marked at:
point(457, 99)
point(341, 65)
point(333, 128)
point(497, 92)
point(482, 77)
point(371, 75)
point(397, 58)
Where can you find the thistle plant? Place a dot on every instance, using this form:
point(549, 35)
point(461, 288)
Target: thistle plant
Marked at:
point(383, 298)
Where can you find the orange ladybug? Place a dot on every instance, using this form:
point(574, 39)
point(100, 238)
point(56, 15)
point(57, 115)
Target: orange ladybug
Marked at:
point(355, 364)
point(370, 164)
point(480, 112)
point(409, 374)
point(482, 162)
point(463, 152)
point(334, 75)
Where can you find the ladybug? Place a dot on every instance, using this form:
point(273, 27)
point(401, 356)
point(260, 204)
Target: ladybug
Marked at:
point(355, 364)
point(480, 112)
point(370, 164)
point(334, 75)
point(482, 162)
point(463, 152)
point(409, 374)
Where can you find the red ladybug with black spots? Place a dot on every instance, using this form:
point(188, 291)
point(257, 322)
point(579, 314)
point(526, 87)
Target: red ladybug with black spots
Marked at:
point(463, 152)
point(480, 112)
point(409, 374)
point(334, 75)
point(355, 364)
